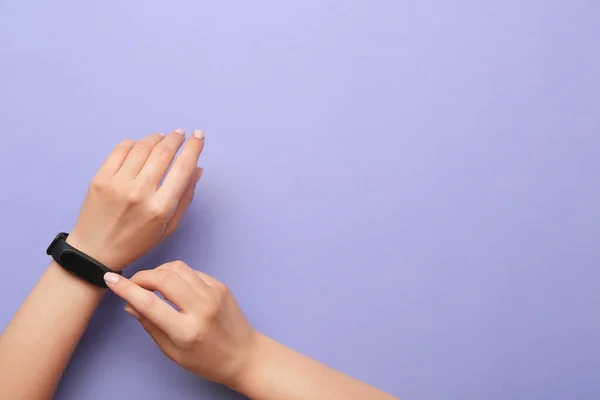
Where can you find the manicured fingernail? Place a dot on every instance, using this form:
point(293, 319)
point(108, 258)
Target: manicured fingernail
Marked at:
point(199, 134)
point(161, 134)
point(129, 310)
point(111, 277)
point(180, 131)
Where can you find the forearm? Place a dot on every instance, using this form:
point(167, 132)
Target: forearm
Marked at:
point(135, 201)
point(278, 372)
point(38, 343)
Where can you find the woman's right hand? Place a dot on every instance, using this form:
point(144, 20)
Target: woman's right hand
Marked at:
point(209, 336)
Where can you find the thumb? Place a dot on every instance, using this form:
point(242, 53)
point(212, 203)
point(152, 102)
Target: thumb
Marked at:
point(161, 338)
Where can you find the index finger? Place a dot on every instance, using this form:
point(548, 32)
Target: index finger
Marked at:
point(148, 304)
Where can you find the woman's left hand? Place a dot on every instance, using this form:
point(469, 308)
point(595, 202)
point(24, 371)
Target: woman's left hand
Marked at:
point(129, 208)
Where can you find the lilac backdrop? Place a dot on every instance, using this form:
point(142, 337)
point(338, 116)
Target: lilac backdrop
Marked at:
point(407, 191)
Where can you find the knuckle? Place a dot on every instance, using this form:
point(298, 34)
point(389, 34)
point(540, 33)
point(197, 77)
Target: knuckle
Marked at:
point(143, 146)
point(99, 185)
point(186, 164)
point(165, 151)
point(165, 276)
point(177, 266)
point(221, 290)
point(189, 333)
point(133, 197)
point(222, 287)
point(158, 211)
point(149, 302)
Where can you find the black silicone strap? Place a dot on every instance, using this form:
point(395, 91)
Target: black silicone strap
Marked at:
point(77, 262)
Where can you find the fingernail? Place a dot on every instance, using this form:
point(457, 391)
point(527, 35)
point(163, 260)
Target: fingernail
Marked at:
point(180, 131)
point(111, 277)
point(161, 134)
point(199, 134)
point(129, 310)
point(199, 174)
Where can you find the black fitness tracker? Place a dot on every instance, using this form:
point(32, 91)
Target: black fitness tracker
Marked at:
point(76, 262)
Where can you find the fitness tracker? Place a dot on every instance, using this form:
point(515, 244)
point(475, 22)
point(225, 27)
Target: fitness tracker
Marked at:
point(76, 262)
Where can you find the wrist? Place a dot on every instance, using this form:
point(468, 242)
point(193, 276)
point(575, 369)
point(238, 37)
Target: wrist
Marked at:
point(94, 251)
point(256, 353)
point(70, 282)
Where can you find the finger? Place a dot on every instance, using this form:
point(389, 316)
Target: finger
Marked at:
point(161, 338)
point(148, 304)
point(183, 204)
point(139, 154)
point(145, 322)
point(189, 275)
point(169, 284)
point(115, 159)
point(148, 326)
point(183, 168)
point(161, 158)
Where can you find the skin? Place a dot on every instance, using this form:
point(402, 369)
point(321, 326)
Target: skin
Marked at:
point(126, 213)
point(210, 337)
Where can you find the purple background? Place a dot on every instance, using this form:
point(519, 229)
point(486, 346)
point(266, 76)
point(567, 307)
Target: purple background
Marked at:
point(407, 191)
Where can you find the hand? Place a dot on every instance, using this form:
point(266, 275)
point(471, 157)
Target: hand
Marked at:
point(209, 336)
point(127, 211)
